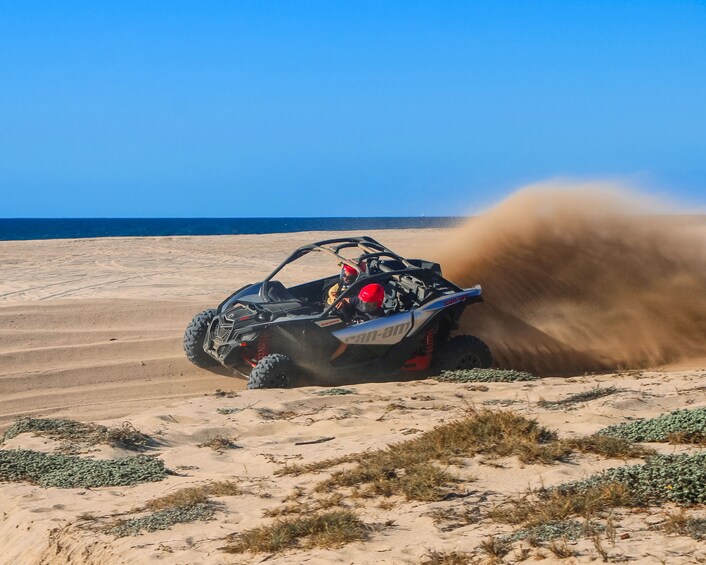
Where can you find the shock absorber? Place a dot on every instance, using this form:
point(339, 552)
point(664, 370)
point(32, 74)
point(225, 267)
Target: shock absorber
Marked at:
point(429, 343)
point(262, 347)
point(422, 360)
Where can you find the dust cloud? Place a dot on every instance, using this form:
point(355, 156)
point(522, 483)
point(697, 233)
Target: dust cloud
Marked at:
point(582, 277)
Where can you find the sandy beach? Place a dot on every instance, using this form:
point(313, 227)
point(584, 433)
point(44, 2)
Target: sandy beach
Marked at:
point(91, 330)
point(512, 372)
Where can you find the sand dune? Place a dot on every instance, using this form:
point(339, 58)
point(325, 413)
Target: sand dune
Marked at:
point(93, 328)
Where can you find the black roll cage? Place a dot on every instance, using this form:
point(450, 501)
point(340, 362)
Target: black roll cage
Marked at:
point(372, 249)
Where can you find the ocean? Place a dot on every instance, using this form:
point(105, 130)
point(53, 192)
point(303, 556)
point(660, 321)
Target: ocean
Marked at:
point(73, 228)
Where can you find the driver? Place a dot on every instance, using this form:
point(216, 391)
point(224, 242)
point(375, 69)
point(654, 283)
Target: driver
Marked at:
point(347, 278)
point(368, 304)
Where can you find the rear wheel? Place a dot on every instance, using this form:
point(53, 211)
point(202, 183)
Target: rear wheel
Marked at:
point(463, 352)
point(194, 338)
point(272, 371)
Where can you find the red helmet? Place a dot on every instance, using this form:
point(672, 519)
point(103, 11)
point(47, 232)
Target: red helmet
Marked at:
point(348, 274)
point(370, 297)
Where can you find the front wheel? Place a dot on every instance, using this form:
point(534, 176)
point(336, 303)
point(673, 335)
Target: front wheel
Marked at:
point(272, 371)
point(194, 338)
point(463, 352)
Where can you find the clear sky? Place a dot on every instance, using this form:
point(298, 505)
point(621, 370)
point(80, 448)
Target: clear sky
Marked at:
point(301, 108)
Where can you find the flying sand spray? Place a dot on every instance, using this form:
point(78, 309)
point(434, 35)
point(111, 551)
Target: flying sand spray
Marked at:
point(582, 277)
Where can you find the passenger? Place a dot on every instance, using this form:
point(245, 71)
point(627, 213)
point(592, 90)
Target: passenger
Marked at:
point(347, 278)
point(367, 305)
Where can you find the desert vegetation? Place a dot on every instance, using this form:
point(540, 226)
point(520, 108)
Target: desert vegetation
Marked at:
point(578, 398)
point(185, 505)
point(663, 478)
point(679, 426)
point(485, 376)
point(75, 435)
point(326, 529)
point(70, 471)
point(296, 498)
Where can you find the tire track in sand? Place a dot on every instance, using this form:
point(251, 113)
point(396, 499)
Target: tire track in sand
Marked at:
point(97, 359)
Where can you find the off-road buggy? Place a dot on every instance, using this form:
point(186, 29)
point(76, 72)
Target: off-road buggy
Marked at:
point(279, 337)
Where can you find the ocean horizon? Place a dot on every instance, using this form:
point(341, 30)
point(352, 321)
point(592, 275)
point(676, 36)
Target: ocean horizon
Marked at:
point(14, 229)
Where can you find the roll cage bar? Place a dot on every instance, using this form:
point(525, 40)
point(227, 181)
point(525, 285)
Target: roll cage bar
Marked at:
point(371, 250)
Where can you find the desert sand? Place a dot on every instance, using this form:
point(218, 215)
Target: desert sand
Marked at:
point(91, 330)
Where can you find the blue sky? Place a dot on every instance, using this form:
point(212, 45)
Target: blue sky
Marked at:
point(302, 108)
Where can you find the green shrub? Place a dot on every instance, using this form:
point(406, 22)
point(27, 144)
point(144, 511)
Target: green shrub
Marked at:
point(335, 392)
point(663, 478)
point(485, 376)
point(681, 426)
point(69, 471)
point(163, 520)
point(569, 529)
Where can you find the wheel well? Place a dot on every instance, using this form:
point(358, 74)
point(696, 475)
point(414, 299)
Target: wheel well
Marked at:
point(445, 326)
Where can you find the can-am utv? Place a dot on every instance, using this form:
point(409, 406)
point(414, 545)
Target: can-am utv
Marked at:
point(279, 336)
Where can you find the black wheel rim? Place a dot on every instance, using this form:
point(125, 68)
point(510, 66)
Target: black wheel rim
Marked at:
point(470, 361)
point(279, 380)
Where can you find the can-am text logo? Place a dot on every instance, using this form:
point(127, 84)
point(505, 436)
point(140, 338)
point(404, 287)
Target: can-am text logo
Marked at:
point(382, 335)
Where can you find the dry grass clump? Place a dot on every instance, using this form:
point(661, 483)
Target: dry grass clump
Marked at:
point(538, 508)
point(270, 414)
point(682, 524)
point(127, 436)
point(433, 557)
point(316, 466)
point(579, 397)
point(328, 529)
point(219, 443)
point(607, 446)
point(70, 471)
point(411, 468)
point(500, 433)
point(495, 548)
point(227, 411)
point(447, 519)
point(77, 434)
point(185, 505)
point(561, 549)
point(194, 495)
point(679, 426)
point(308, 507)
point(393, 475)
point(225, 393)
